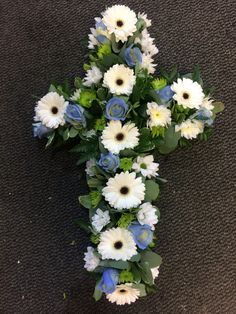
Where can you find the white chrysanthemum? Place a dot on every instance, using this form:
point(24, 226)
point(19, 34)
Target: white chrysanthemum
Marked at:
point(124, 191)
point(147, 63)
point(155, 272)
point(188, 93)
point(117, 244)
point(93, 76)
point(100, 219)
point(50, 110)
point(146, 166)
point(91, 260)
point(95, 32)
point(119, 79)
point(207, 104)
point(121, 21)
point(147, 215)
point(116, 137)
point(146, 42)
point(159, 115)
point(90, 167)
point(190, 128)
point(124, 294)
point(76, 95)
point(146, 20)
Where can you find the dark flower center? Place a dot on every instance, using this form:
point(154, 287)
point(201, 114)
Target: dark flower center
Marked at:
point(119, 82)
point(185, 95)
point(124, 190)
point(119, 23)
point(118, 245)
point(54, 110)
point(143, 166)
point(122, 290)
point(120, 137)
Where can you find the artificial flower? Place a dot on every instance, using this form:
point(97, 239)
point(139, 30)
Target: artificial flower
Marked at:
point(165, 93)
point(124, 191)
point(50, 110)
point(146, 42)
point(90, 167)
point(147, 215)
point(133, 56)
point(75, 115)
point(120, 21)
point(40, 130)
point(119, 79)
point(146, 166)
point(207, 104)
point(93, 76)
point(116, 137)
point(117, 244)
point(147, 63)
point(147, 21)
point(100, 219)
point(109, 162)
point(109, 280)
point(188, 93)
point(116, 109)
point(159, 115)
point(75, 97)
point(155, 272)
point(142, 234)
point(91, 260)
point(190, 128)
point(99, 34)
point(124, 294)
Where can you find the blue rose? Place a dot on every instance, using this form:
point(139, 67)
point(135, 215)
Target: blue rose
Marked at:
point(165, 93)
point(133, 56)
point(142, 234)
point(40, 130)
point(109, 280)
point(75, 114)
point(109, 162)
point(203, 115)
point(116, 109)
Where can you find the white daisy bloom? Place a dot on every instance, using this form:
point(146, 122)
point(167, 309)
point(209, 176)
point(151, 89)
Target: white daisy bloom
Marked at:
point(90, 167)
point(92, 39)
point(50, 110)
point(190, 128)
point(95, 32)
point(117, 244)
point(91, 260)
point(146, 166)
point(146, 42)
point(119, 79)
point(159, 115)
point(116, 137)
point(121, 21)
point(155, 272)
point(124, 294)
point(124, 191)
point(147, 63)
point(100, 219)
point(147, 215)
point(207, 104)
point(146, 20)
point(76, 95)
point(188, 93)
point(93, 76)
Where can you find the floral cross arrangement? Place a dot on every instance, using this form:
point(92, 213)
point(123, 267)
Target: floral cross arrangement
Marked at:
point(117, 119)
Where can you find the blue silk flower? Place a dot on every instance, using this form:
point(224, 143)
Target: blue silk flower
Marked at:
point(109, 280)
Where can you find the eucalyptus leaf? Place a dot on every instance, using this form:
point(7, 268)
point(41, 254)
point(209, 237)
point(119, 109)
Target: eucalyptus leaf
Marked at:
point(153, 259)
point(50, 139)
point(115, 264)
point(85, 201)
point(170, 141)
point(146, 273)
point(73, 132)
point(97, 293)
point(151, 191)
point(142, 289)
point(83, 225)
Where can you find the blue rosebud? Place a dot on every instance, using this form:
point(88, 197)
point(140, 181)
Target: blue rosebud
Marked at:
point(40, 130)
point(116, 109)
point(102, 39)
point(75, 114)
point(203, 115)
point(142, 234)
point(109, 280)
point(165, 93)
point(109, 162)
point(133, 56)
point(101, 25)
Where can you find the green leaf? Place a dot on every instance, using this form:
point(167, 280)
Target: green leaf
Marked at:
point(146, 273)
point(152, 191)
point(50, 139)
point(85, 201)
point(66, 134)
point(97, 293)
point(136, 273)
point(83, 225)
point(141, 287)
point(78, 83)
point(73, 132)
point(170, 141)
point(115, 264)
point(135, 258)
point(218, 107)
point(102, 93)
point(128, 153)
point(153, 259)
point(93, 183)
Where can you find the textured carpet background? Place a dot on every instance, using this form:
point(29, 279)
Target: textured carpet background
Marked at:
point(43, 40)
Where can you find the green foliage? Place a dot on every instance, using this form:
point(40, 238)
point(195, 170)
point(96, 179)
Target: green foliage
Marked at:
point(102, 93)
point(95, 238)
point(104, 50)
point(100, 124)
point(141, 288)
point(145, 141)
point(145, 273)
point(83, 225)
point(170, 141)
point(50, 139)
point(153, 259)
point(95, 197)
point(218, 107)
point(152, 191)
point(115, 264)
point(125, 220)
point(85, 201)
point(97, 293)
point(125, 276)
point(63, 89)
point(126, 163)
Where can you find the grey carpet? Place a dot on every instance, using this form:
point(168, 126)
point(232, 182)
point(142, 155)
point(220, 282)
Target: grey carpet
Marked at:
point(43, 40)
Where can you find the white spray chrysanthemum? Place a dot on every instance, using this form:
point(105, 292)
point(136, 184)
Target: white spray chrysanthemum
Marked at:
point(100, 219)
point(146, 42)
point(159, 115)
point(147, 215)
point(148, 63)
point(50, 110)
point(207, 104)
point(155, 272)
point(75, 97)
point(120, 21)
point(146, 166)
point(190, 128)
point(117, 244)
point(188, 93)
point(147, 21)
point(124, 294)
point(91, 260)
point(93, 76)
point(124, 191)
point(119, 79)
point(90, 167)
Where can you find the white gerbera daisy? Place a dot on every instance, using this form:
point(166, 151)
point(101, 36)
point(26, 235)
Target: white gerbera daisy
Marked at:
point(91, 260)
point(146, 20)
point(124, 191)
point(147, 215)
point(146, 42)
point(121, 21)
point(124, 294)
point(147, 63)
point(146, 166)
point(119, 79)
point(50, 110)
point(117, 244)
point(190, 128)
point(155, 272)
point(207, 104)
point(188, 93)
point(93, 76)
point(75, 97)
point(116, 137)
point(159, 115)
point(100, 219)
